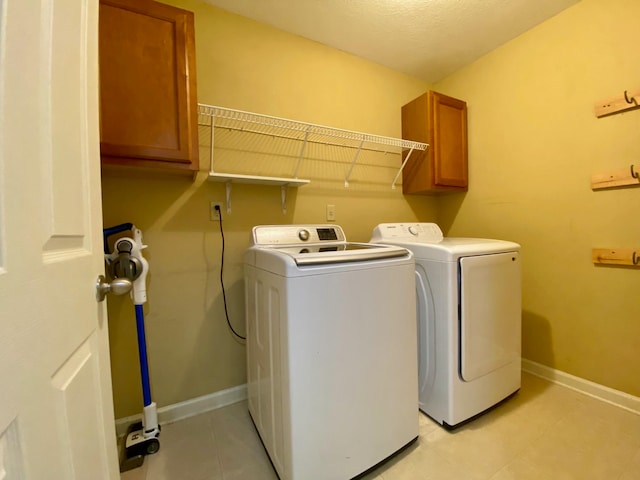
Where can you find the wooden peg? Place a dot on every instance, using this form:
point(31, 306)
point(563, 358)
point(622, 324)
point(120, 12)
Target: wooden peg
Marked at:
point(616, 256)
point(618, 178)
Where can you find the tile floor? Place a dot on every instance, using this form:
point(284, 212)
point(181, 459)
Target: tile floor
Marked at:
point(545, 432)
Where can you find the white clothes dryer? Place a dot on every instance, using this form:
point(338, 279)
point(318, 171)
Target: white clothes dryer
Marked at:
point(469, 319)
point(331, 358)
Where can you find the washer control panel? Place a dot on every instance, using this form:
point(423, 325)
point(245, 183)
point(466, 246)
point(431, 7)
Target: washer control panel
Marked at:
point(423, 232)
point(296, 234)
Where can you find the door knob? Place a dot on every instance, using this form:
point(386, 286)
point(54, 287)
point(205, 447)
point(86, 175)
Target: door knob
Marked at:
point(119, 286)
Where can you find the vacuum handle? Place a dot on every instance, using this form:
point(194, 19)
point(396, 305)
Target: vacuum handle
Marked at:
point(107, 232)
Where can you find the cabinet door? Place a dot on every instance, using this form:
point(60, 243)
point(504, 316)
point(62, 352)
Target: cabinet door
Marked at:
point(440, 121)
point(449, 138)
point(147, 85)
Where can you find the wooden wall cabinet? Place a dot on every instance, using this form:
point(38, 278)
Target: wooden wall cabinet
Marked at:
point(148, 101)
point(440, 121)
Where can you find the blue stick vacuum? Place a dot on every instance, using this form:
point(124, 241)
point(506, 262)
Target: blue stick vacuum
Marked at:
point(126, 261)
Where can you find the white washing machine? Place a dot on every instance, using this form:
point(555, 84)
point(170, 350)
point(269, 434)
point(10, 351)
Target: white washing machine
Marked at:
point(331, 357)
point(469, 319)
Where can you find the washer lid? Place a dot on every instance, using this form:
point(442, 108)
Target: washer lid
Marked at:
point(309, 245)
point(287, 262)
point(324, 254)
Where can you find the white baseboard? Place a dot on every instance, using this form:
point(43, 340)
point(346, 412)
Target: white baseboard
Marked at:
point(606, 394)
point(188, 408)
point(196, 406)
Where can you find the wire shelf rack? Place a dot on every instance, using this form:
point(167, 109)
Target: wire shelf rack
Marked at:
point(283, 145)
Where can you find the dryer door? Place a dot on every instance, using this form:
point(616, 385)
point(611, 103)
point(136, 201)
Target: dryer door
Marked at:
point(490, 313)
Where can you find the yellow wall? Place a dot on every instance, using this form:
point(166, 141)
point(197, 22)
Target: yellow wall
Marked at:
point(248, 66)
point(534, 143)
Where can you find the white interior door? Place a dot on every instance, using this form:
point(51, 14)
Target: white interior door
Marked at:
point(56, 410)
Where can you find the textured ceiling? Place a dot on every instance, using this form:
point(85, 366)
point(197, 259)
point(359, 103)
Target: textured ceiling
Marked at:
point(428, 39)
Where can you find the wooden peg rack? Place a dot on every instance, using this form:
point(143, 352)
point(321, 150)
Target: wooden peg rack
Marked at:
point(619, 178)
point(616, 256)
point(629, 100)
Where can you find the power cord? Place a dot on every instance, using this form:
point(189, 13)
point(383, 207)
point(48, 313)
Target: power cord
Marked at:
point(224, 295)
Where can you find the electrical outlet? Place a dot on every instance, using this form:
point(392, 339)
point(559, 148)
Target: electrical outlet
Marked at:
point(215, 213)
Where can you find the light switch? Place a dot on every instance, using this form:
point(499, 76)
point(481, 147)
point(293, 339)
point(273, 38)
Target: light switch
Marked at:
point(331, 213)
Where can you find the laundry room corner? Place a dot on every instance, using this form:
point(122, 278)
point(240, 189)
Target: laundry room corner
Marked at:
point(534, 143)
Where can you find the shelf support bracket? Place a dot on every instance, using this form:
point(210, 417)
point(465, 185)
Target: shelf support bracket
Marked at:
point(304, 147)
point(353, 162)
point(228, 196)
point(393, 184)
point(283, 198)
point(211, 149)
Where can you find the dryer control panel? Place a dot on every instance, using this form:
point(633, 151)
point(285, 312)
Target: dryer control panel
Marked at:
point(410, 232)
